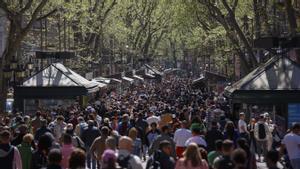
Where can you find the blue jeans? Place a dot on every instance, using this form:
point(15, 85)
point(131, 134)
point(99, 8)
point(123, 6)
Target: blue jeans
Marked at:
point(89, 159)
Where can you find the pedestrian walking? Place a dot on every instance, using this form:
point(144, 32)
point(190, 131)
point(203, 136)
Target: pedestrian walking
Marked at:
point(10, 157)
point(180, 137)
point(212, 136)
point(192, 159)
point(125, 159)
point(54, 159)
point(77, 159)
point(291, 142)
point(261, 132)
point(26, 150)
point(88, 136)
point(242, 126)
point(162, 158)
point(224, 161)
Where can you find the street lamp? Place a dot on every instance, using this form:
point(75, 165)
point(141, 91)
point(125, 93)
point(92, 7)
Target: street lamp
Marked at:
point(30, 66)
point(6, 72)
point(20, 72)
point(13, 70)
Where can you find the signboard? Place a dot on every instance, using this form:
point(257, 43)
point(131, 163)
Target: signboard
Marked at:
point(293, 113)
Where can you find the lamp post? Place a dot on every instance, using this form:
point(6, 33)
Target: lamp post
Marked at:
point(30, 66)
point(13, 71)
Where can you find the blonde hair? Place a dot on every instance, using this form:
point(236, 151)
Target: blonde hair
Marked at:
point(28, 138)
point(133, 133)
point(193, 155)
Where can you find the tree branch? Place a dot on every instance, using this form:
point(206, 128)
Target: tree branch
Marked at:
point(34, 15)
point(27, 6)
point(227, 7)
point(47, 15)
point(4, 7)
point(235, 3)
point(109, 9)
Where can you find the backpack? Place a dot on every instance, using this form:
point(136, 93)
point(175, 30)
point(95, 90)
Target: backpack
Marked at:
point(83, 126)
point(124, 161)
point(155, 163)
point(261, 131)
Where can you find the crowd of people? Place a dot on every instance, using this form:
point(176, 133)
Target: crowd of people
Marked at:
point(166, 125)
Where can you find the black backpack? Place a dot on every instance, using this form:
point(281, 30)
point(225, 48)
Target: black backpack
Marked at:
point(124, 161)
point(261, 131)
point(155, 163)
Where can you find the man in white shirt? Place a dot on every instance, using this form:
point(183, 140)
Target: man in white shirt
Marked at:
point(243, 126)
point(291, 142)
point(196, 138)
point(180, 137)
point(152, 118)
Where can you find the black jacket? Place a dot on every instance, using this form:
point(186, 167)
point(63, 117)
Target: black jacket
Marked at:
point(211, 137)
point(89, 135)
point(162, 159)
point(38, 160)
point(53, 166)
point(41, 131)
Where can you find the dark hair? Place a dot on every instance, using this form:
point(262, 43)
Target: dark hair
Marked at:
point(45, 142)
point(214, 123)
point(165, 128)
point(218, 144)
point(5, 135)
point(54, 156)
point(77, 159)
point(239, 156)
point(242, 143)
point(164, 144)
point(230, 130)
point(153, 124)
point(196, 130)
point(60, 118)
point(273, 156)
point(296, 126)
point(105, 131)
point(67, 139)
point(227, 145)
point(43, 122)
point(203, 153)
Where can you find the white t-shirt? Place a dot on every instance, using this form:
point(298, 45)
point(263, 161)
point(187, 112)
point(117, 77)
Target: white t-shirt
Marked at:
point(181, 136)
point(153, 119)
point(196, 139)
point(292, 144)
point(242, 123)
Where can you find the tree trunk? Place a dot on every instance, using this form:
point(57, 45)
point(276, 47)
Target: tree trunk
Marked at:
point(13, 42)
point(257, 25)
point(290, 11)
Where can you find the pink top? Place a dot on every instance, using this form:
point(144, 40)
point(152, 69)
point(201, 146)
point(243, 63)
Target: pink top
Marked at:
point(180, 165)
point(66, 152)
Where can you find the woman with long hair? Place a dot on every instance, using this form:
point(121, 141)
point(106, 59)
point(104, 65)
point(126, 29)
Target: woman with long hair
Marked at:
point(231, 132)
point(77, 159)
point(39, 157)
point(251, 160)
point(191, 159)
